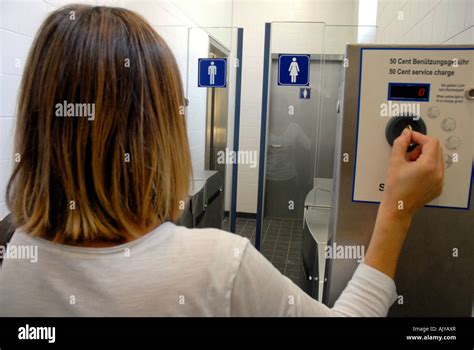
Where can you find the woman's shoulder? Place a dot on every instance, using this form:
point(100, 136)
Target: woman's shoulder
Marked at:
point(211, 256)
point(167, 239)
point(210, 239)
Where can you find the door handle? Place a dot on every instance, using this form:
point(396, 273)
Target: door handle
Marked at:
point(275, 146)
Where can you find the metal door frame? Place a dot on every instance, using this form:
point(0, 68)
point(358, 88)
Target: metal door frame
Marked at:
point(216, 50)
point(235, 148)
point(237, 108)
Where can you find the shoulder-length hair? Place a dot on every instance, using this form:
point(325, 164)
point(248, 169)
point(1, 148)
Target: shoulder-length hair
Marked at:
point(101, 139)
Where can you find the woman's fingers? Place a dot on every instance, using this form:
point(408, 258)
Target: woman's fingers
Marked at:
point(429, 145)
point(420, 138)
point(413, 155)
point(400, 145)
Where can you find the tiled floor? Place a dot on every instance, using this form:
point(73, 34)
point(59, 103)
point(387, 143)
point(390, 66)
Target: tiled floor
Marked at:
point(281, 242)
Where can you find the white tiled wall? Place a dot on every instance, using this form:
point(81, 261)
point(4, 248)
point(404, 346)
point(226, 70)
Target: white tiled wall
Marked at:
point(425, 21)
point(19, 21)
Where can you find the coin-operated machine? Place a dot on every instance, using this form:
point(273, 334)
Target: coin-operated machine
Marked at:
point(429, 89)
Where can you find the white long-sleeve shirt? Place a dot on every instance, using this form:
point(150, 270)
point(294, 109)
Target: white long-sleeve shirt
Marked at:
point(171, 271)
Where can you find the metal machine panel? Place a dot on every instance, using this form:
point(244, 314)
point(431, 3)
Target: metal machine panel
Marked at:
point(213, 199)
point(435, 276)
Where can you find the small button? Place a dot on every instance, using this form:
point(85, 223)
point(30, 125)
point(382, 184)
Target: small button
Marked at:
point(453, 143)
point(448, 124)
point(470, 94)
point(448, 160)
point(433, 112)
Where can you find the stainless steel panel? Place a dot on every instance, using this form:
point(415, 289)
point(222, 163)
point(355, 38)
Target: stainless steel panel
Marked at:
point(216, 127)
point(213, 182)
point(309, 260)
point(431, 281)
point(214, 185)
point(315, 237)
point(197, 199)
point(214, 214)
point(314, 243)
point(213, 199)
point(317, 223)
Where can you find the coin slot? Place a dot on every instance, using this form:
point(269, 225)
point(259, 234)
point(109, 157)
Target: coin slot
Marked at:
point(397, 124)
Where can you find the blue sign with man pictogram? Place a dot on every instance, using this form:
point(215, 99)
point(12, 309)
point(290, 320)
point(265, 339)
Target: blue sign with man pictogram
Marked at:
point(293, 70)
point(212, 72)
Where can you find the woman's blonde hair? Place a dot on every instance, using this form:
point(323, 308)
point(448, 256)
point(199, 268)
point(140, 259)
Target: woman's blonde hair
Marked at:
point(120, 171)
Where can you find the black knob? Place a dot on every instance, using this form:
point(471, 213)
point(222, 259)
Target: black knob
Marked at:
point(397, 124)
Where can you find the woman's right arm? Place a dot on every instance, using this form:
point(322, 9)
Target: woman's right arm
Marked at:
point(259, 289)
point(413, 180)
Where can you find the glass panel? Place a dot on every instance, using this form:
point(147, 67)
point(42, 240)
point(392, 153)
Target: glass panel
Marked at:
point(335, 40)
point(211, 15)
point(301, 130)
point(210, 90)
point(319, 200)
point(295, 82)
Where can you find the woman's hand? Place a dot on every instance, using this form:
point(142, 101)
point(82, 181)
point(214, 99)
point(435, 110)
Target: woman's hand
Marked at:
point(413, 179)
